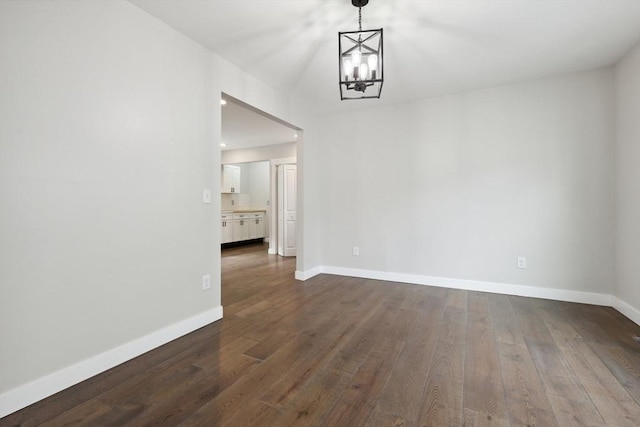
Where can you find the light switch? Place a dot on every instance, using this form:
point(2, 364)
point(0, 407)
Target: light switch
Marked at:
point(206, 195)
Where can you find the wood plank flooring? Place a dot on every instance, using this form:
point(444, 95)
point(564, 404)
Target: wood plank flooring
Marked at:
point(339, 351)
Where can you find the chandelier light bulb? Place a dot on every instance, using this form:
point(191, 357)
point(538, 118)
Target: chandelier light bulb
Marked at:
point(364, 72)
point(356, 57)
point(373, 65)
point(373, 62)
point(348, 69)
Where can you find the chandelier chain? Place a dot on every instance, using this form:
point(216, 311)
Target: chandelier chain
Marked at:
point(360, 18)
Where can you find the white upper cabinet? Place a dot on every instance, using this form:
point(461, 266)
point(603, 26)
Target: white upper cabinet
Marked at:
point(230, 179)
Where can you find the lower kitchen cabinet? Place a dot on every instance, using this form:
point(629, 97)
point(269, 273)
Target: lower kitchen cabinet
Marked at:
point(238, 227)
point(226, 228)
point(256, 226)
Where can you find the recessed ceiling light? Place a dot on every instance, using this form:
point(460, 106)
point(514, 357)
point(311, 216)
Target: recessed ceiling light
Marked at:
point(222, 144)
point(223, 102)
point(295, 136)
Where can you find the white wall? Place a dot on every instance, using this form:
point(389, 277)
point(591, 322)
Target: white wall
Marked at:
point(244, 178)
point(259, 179)
point(255, 154)
point(627, 179)
point(106, 145)
point(458, 186)
point(110, 131)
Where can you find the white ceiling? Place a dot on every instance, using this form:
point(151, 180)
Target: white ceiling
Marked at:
point(244, 127)
point(431, 46)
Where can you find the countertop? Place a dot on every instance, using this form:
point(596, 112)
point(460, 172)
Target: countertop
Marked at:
point(244, 211)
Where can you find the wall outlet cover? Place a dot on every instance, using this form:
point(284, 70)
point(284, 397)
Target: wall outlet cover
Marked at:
point(522, 262)
point(206, 282)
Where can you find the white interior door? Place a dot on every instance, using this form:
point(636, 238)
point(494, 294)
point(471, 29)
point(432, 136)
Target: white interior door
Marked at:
point(286, 176)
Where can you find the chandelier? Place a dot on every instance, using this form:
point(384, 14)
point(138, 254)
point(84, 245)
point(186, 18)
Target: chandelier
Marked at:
point(360, 60)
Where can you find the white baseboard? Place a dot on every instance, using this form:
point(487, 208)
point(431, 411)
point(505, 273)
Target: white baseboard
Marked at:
point(306, 275)
point(27, 394)
point(629, 311)
point(272, 251)
point(473, 285)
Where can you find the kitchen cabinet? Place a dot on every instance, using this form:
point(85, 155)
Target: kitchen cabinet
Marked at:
point(226, 228)
point(230, 179)
point(239, 226)
point(256, 225)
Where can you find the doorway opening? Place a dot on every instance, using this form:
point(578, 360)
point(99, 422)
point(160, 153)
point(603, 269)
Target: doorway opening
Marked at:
point(259, 191)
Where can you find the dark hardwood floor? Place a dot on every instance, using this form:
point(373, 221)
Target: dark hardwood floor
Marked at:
point(339, 351)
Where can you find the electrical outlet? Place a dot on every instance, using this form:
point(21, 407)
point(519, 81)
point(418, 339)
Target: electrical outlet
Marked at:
point(356, 251)
point(206, 282)
point(522, 262)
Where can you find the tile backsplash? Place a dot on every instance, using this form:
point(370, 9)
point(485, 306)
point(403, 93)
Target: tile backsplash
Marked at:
point(230, 202)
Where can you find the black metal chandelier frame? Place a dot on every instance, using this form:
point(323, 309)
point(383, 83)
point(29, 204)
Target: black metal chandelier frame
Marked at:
point(355, 75)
